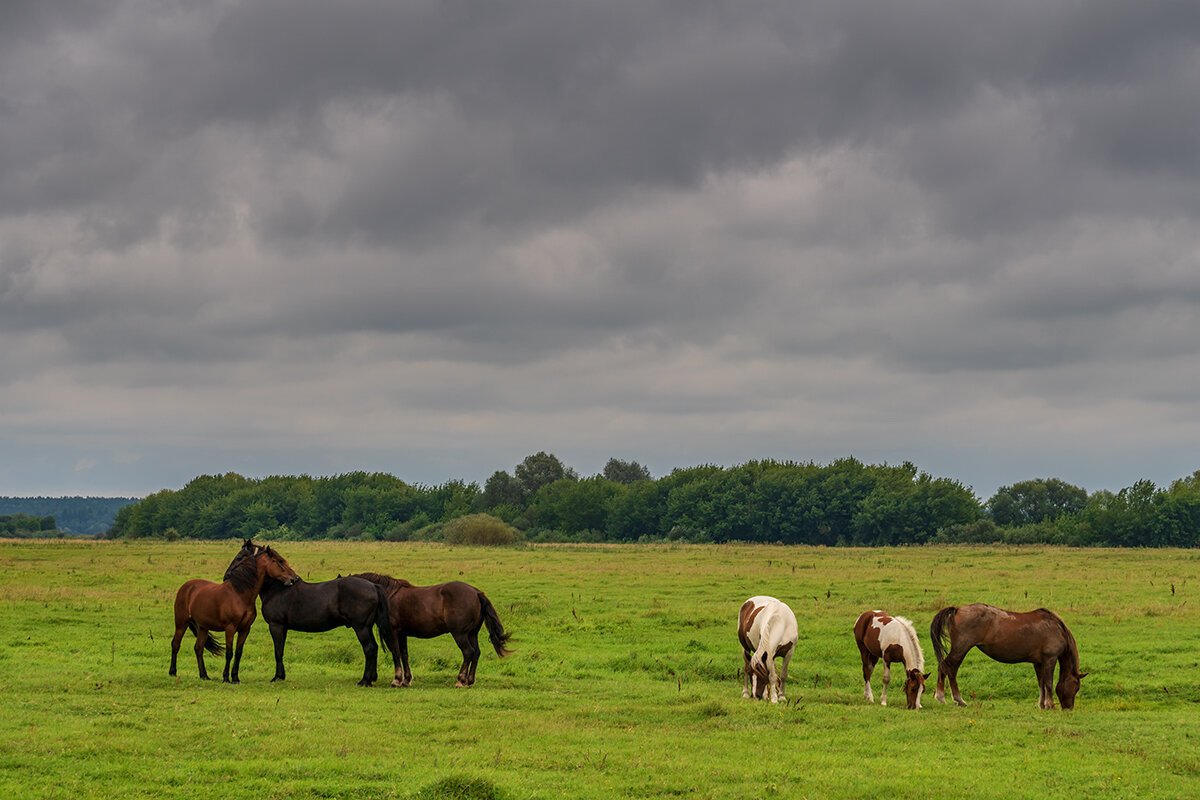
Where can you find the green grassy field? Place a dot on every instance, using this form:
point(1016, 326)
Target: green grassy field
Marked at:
point(624, 684)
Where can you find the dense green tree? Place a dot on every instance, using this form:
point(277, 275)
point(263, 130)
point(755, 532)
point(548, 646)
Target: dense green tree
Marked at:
point(1033, 501)
point(574, 507)
point(625, 472)
point(541, 469)
point(502, 489)
point(635, 512)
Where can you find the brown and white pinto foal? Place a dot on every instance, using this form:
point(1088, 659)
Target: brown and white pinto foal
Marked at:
point(767, 630)
point(892, 639)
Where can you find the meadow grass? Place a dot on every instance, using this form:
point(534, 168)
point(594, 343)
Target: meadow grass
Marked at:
point(624, 684)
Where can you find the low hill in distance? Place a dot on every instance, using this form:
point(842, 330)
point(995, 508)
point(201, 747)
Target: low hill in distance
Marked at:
point(77, 516)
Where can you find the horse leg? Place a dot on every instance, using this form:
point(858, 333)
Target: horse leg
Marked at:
point(175, 646)
point(952, 665)
point(868, 667)
point(1045, 679)
point(201, 638)
point(787, 659)
point(370, 653)
point(745, 674)
point(229, 656)
point(469, 651)
point(476, 652)
point(279, 637)
point(403, 675)
point(237, 657)
point(772, 678)
point(887, 678)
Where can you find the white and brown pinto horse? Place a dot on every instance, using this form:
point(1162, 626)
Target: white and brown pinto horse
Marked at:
point(767, 630)
point(880, 636)
point(1038, 637)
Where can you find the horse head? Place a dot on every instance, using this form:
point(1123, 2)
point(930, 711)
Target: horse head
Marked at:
point(275, 566)
point(1068, 687)
point(914, 687)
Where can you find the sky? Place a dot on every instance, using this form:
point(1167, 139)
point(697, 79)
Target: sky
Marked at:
point(433, 237)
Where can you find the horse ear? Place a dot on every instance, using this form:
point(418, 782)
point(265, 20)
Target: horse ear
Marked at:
point(926, 675)
point(1082, 675)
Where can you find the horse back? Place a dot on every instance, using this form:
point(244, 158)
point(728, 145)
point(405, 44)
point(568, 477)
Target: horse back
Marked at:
point(212, 605)
point(428, 611)
point(761, 613)
point(1012, 636)
point(321, 606)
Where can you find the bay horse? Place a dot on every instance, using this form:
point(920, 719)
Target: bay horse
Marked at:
point(1038, 637)
point(456, 608)
point(880, 636)
point(767, 630)
point(204, 606)
point(322, 606)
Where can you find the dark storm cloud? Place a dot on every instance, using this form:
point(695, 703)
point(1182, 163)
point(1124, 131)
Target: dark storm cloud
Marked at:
point(769, 228)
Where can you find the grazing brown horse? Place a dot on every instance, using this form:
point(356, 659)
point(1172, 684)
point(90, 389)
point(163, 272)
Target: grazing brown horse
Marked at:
point(205, 606)
point(456, 608)
point(1038, 637)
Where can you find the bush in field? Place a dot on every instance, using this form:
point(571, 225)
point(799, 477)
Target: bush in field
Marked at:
point(480, 529)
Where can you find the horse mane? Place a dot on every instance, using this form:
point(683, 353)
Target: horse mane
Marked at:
point(387, 582)
point(1070, 658)
point(913, 645)
point(243, 572)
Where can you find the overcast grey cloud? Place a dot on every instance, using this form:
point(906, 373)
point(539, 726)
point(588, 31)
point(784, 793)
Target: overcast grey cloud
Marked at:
point(431, 238)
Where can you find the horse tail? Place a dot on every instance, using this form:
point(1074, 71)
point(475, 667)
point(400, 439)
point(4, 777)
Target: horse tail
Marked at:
point(383, 620)
point(941, 630)
point(758, 661)
point(495, 630)
point(210, 644)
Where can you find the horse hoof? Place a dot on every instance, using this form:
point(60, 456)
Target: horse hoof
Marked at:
point(397, 684)
point(961, 703)
point(365, 683)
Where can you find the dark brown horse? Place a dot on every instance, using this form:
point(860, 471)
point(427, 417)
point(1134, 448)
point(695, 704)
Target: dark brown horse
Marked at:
point(204, 606)
point(456, 608)
point(1038, 637)
point(318, 607)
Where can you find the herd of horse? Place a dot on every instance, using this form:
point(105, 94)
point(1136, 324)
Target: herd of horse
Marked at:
point(766, 628)
point(360, 602)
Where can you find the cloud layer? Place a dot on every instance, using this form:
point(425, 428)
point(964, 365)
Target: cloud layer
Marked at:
point(431, 238)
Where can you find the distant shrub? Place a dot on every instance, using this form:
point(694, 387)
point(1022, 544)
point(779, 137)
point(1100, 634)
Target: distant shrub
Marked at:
point(982, 531)
point(480, 529)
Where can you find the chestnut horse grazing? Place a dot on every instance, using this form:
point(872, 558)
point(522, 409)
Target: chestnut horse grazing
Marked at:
point(1038, 637)
point(205, 606)
point(767, 630)
point(456, 608)
point(892, 639)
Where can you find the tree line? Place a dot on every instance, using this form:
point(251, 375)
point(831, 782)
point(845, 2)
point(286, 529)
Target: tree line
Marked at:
point(845, 502)
point(26, 526)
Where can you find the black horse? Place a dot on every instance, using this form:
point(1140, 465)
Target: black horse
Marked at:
point(318, 607)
